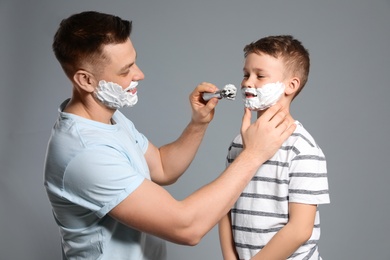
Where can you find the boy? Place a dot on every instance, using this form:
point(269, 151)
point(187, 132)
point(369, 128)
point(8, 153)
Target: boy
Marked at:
point(276, 216)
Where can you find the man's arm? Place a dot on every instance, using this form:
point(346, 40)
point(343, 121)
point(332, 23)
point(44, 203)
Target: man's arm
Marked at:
point(164, 163)
point(151, 209)
point(226, 238)
point(296, 232)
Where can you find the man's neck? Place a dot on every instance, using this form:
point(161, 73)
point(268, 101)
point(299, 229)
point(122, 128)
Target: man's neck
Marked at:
point(89, 108)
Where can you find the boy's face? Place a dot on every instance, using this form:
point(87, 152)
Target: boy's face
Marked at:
point(260, 70)
point(262, 85)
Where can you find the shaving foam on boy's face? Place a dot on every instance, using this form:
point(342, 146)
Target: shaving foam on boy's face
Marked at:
point(261, 98)
point(114, 96)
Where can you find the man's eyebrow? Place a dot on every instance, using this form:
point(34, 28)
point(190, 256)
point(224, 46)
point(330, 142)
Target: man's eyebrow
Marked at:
point(127, 66)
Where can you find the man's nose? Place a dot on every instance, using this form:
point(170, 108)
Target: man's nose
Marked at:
point(139, 75)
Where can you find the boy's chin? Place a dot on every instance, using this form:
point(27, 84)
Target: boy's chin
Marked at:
point(258, 110)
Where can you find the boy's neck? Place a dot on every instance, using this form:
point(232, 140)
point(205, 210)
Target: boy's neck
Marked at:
point(259, 113)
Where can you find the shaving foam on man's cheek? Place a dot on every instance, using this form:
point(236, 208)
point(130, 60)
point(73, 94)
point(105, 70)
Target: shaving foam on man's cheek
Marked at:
point(114, 96)
point(264, 97)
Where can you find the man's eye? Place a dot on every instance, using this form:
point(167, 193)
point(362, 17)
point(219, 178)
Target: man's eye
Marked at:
point(125, 73)
point(246, 76)
point(260, 76)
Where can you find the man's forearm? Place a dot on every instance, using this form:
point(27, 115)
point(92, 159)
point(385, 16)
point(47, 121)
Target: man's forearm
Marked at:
point(177, 156)
point(205, 207)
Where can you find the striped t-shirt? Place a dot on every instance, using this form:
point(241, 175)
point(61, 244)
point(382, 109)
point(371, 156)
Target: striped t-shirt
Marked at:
point(296, 173)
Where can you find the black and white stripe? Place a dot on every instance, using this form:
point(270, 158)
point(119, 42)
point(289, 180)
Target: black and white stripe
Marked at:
point(296, 173)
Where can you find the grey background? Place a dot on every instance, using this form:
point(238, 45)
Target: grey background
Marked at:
point(180, 44)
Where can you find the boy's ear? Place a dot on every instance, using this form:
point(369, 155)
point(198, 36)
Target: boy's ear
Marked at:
point(84, 80)
point(293, 86)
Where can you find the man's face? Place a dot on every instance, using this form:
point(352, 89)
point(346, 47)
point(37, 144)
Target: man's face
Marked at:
point(117, 84)
point(121, 68)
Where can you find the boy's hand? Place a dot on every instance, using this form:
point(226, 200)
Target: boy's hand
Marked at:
point(265, 136)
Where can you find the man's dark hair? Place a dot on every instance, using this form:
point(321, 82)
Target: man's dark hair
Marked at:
point(81, 37)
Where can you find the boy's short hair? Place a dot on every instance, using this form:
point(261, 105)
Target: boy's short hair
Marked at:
point(295, 57)
point(81, 37)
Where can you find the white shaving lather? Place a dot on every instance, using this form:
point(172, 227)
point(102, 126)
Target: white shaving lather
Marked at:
point(114, 96)
point(263, 97)
point(228, 92)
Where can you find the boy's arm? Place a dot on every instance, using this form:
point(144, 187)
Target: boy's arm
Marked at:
point(296, 232)
point(226, 238)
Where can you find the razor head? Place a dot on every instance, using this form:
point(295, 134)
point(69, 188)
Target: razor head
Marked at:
point(229, 92)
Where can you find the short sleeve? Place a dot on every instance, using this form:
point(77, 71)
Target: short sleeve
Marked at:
point(308, 178)
point(99, 178)
point(234, 150)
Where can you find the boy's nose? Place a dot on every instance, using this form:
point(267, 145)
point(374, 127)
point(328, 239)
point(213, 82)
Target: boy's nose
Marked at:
point(247, 83)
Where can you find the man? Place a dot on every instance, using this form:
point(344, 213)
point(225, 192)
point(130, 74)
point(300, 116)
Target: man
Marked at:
point(103, 177)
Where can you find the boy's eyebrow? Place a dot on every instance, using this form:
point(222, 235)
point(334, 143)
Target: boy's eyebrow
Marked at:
point(255, 69)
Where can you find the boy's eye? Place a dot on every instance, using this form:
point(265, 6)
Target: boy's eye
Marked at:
point(260, 76)
point(246, 76)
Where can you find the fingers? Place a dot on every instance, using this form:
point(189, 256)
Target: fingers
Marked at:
point(212, 103)
point(246, 120)
point(271, 112)
point(207, 87)
point(265, 136)
point(204, 87)
point(202, 111)
point(275, 116)
point(196, 95)
point(289, 129)
point(281, 120)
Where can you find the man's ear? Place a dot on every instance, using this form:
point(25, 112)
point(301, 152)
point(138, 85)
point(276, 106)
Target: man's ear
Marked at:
point(292, 86)
point(85, 80)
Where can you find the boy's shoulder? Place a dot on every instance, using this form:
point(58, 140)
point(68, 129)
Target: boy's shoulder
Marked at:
point(302, 138)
